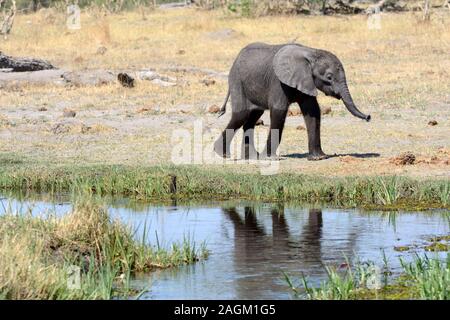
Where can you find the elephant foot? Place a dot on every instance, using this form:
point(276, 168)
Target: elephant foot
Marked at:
point(219, 150)
point(222, 154)
point(317, 156)
point(250, 154)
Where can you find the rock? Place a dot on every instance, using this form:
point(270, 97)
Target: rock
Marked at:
point(163, 83)
point(166, 78)
point(158, 79)
point(208, 82)
point(325, 110)
point(69, 113)
point(432, 123)
point(36, 77)
point(125, 80)
point(89, 77)
point(152, 75)
point(214, 109)
point(181, 51)
point(406, 158)
point(42, 109)
point(260, 122)
point(147, 75)
point(101, 50)
point(300, 127)
point(293, 112)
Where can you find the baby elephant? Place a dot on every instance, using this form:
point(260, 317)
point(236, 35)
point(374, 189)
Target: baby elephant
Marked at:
point(272, 77)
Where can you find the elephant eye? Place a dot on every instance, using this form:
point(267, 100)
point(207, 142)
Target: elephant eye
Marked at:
point(329, 77)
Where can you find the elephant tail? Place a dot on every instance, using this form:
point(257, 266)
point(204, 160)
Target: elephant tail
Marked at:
point(224, 106)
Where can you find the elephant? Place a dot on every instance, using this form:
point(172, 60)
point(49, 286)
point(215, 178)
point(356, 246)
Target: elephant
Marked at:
point(273, 77)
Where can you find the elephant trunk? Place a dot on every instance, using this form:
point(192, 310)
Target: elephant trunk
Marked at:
point(350, 105)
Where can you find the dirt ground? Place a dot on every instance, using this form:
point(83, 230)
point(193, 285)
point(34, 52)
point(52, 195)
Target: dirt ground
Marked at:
point(398, 74)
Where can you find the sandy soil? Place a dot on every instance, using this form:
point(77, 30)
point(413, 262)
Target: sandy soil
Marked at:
point(125, 130)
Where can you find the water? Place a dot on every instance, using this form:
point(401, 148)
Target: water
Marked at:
point(252, 244)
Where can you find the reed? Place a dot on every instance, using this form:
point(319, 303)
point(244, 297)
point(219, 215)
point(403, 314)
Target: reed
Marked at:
point(194, 182)
point(38, 255)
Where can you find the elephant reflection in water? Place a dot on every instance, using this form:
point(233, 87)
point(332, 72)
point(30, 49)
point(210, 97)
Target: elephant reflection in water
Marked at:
point(262, 257)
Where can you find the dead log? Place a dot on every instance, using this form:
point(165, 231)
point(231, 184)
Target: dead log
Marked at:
point(386, 5)
point(446, 4)
point(23, 64)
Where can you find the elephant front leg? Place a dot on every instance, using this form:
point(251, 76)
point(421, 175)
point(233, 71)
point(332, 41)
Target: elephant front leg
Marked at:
point(277, 120)
point(311, 113)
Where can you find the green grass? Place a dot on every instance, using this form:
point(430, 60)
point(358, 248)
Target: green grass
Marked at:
point(423, 278)
point(195, 182)
point(430, 278)
point(39, 252)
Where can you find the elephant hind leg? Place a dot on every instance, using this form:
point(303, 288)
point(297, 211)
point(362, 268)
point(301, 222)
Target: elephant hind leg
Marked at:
point(248, 140)
point(222, 144)
point(277, 119)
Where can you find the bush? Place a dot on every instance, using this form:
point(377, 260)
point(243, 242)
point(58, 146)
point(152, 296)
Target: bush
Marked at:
point(110, 5)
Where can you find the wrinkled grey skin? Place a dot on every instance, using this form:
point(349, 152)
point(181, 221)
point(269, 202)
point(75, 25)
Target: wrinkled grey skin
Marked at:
point(272, 77)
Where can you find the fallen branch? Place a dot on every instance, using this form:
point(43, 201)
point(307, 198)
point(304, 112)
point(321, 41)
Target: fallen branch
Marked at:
point(426, 11)
point(386, 5)
point(23, 64)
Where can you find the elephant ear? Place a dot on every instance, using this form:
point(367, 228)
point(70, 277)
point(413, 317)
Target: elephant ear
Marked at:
point(293, 69)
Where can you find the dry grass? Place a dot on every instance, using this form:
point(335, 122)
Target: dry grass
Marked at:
point(399, 74)
point(37, 254)
point(20, 254)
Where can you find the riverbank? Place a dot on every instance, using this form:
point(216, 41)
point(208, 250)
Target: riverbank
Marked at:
point(195, 182)
point(84, 255)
